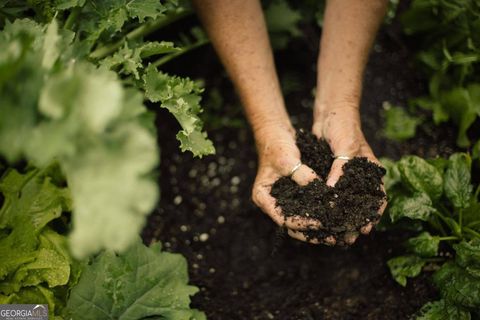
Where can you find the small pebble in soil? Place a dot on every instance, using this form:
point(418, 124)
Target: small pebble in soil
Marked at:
point(177, 200)
point(235, 180)
point(203, 237)
point(221, 219)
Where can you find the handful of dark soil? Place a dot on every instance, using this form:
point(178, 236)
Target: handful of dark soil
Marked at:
point(350, 205)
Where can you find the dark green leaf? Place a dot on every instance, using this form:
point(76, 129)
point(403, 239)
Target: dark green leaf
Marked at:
point(457, 286)
point(140, 283)
point(468, 256)
point(456, 180)
point(442, 310)
point(424, 245)
point(405, 266)
point(420, 176)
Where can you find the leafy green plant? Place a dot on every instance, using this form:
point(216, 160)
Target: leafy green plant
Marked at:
point(61, 103)
point(399, 124)
point(439, 193)
point(36, 264)
point(143, 282)
point(74, 75)
point(447, 32)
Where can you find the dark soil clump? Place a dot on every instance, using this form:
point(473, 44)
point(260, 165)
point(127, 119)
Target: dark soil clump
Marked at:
point(350, 205)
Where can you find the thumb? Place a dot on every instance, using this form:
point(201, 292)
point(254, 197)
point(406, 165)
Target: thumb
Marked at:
point(336, 172)
point(304, 175)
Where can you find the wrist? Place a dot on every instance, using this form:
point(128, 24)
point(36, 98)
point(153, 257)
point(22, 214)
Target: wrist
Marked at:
point(322, 112)
point(273, 132)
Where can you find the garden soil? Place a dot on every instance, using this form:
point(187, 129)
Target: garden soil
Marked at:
point(352, 203)
point(245, 266)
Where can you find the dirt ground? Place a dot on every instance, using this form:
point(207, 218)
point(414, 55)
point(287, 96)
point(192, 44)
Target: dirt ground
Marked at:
point(243, 264)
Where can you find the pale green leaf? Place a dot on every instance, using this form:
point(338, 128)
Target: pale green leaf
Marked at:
point(399, 125)
point(142, 9)
point(420, 176)
point(182, 98)
point(418, 207)
point(457, 184)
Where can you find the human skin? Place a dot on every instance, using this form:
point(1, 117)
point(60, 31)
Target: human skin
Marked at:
point(238, 32)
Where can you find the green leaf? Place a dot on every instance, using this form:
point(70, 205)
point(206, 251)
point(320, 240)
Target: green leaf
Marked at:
point(417, 207)
point(31, 255)
point(405, 266)
point(392, 177)
point(399, 125)
point(468, 256)
point(457, 102)
point(101, 18)
point(86, 128)
point(140, 283)
point(420, 176)
point(281, 18)
point(181, 97)
point(476, 151)
point(128, 61)
point(456, 180)
point(457, 286)
point(49, 267)
point(424, 245)
point(439, 113)
point(439, 163)
point(442, 310)
point(143, 9)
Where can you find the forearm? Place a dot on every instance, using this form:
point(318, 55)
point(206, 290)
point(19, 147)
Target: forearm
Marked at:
point(349, 30)
point(239, 35)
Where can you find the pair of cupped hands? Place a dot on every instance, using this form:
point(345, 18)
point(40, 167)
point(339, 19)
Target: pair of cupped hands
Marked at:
point(278, 154)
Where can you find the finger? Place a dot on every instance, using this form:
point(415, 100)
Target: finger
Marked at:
point(301, 237)
point(336, 172)
point(267, 203)
point(330, 240)
point(366, 229)
point(304, 175)
point(350, 237)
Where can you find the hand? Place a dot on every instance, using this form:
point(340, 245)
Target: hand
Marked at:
point(341, 128)
point(278, 154)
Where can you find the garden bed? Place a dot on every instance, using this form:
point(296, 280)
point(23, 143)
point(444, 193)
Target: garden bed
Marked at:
point(244, 265)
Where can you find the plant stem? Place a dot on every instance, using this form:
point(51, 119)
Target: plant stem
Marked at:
point(448, 238)
point(72, 17)
point(184, 50)
point(142, 30)
point(460, 219)
point(473, 224)
point(474, 233)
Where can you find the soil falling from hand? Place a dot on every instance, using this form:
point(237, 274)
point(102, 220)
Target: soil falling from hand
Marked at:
point(347, 207)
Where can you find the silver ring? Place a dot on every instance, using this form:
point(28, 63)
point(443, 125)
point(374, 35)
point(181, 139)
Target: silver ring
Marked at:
point(295, 168)
point(346, 158)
